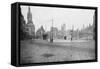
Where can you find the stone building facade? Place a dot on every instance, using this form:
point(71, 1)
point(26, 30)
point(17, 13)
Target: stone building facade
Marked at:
point(40, 32)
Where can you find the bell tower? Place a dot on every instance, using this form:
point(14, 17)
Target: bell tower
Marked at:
point(30, 27)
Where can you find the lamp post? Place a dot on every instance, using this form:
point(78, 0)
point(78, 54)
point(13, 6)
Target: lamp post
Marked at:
point(51, 39)
point(72, 33)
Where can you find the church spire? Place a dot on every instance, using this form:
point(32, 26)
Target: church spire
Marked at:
point(29, 9)
point(29, 16)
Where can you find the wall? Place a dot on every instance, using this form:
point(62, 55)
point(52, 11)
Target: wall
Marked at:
point(5, 36)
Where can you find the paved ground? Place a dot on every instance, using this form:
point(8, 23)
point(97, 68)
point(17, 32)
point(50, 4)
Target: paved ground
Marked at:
point(36, 51)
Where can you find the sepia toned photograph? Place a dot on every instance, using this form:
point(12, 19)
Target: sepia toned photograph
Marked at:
point(55, 34)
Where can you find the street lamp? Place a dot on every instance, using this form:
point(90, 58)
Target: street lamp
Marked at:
point(51, 39)
point(72, 33)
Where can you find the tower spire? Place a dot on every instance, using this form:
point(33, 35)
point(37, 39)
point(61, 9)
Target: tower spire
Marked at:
point(29, 16)
point(29, 8)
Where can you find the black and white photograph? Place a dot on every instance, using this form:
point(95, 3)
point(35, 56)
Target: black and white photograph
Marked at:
point(55, 34)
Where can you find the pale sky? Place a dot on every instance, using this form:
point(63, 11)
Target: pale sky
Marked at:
point(70, 17)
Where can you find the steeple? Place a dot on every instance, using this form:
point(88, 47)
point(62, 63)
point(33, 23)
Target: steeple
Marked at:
point(29, 9)
point(29, 16)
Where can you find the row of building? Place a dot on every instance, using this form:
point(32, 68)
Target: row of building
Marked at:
point(28, 30)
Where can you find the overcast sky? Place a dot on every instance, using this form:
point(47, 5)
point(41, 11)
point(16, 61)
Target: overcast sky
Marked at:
point(44, 15)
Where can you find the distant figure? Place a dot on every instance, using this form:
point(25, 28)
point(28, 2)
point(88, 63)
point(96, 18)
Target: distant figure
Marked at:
point(64, 37)
point(51, 40)
point(71, 38)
